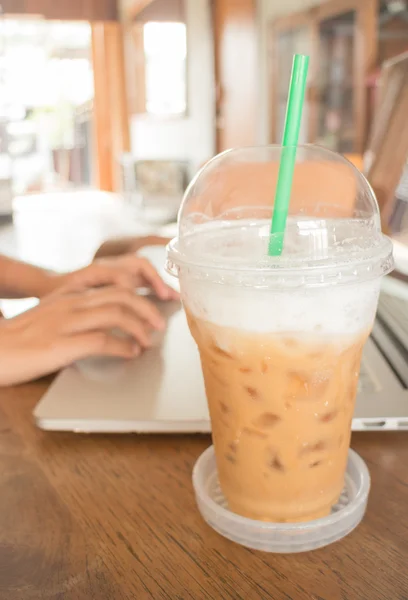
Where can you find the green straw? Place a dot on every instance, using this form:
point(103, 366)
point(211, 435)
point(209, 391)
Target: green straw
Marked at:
point(293, 118)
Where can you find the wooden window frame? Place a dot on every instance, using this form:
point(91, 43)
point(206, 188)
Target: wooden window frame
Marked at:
point(136, 70)
point(111, 136)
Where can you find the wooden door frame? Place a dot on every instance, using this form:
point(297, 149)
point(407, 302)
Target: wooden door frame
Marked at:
point(365, 57)
point(218, 26)
point(111, 115)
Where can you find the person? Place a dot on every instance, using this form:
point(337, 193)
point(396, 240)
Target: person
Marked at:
point(128, 245)
point(78, 311)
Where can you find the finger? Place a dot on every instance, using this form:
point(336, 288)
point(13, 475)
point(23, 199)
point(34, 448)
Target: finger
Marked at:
point(141, 307)
point(106, 318)
point(143, 273)
point(109, 318)
point(28, 365)
point(124, 280)
point(120, 280)
point(152, 278)
point(101, 274)
point(173, 294)
point(129, 272)
point(98, 343)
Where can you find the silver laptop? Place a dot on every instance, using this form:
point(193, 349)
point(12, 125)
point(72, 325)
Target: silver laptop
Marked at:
point(163, 391)
point(382, 401)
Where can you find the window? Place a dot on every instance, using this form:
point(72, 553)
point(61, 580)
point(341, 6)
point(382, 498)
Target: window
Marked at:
point(46, 91)
point(165, 51)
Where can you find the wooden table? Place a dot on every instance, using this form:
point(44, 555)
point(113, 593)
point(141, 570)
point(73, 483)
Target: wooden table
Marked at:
point(114, 518)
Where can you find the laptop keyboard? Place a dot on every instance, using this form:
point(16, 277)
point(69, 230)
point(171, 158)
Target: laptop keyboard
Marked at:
point(366, 381)
point(393, 312)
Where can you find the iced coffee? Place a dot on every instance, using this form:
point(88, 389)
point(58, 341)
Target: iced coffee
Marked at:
point(280, 337)
point(281, 409)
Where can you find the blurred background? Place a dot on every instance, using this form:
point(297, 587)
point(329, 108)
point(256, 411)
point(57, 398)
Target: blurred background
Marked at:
point(114, 103)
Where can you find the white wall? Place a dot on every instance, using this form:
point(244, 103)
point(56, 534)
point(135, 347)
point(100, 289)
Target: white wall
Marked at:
point(191, 138)
point(268, 10)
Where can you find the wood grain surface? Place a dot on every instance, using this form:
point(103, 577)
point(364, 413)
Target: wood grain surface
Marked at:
point(91, 10)
point(114, 518)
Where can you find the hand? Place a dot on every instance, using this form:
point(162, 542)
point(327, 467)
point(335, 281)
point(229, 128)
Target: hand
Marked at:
point(128, 271)
point(66, 328)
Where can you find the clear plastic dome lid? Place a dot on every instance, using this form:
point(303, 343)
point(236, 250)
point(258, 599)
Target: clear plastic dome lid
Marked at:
point(333, 232)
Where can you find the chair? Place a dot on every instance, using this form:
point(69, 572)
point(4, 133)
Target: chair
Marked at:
point(387, 152)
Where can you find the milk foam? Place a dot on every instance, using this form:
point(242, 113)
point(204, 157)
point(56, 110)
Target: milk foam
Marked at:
point(337, 310)
point(332, 309)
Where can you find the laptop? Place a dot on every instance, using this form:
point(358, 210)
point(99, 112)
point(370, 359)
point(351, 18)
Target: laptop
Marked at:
point(163, 390)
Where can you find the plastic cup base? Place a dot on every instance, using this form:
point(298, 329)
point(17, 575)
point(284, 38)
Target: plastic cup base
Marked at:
point(282, 537)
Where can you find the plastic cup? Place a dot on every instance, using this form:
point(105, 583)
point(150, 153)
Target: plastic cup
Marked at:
point(280, 337)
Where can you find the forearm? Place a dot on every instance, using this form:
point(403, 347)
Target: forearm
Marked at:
point(21, 280)
point(128, 245)
point(115, 247)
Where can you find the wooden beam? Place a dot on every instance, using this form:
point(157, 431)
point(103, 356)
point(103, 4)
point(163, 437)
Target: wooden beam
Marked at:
point(135, 8)
point(75, 10)
point(112, 136)
point(102, 130)
point(235, 44)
